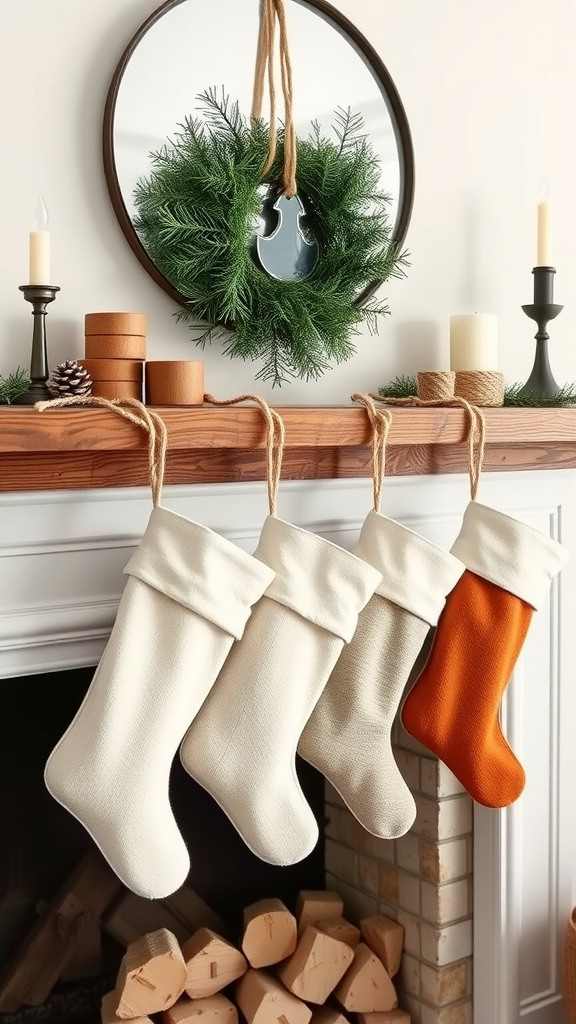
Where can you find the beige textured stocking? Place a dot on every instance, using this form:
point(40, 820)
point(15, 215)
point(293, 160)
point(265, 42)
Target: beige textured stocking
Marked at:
point(348, 736)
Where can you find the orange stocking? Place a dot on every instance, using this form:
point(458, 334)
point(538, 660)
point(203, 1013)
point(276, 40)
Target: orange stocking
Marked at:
point(453, 706)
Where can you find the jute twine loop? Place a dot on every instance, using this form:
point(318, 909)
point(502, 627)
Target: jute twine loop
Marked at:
point(275, 434)
point(436, 385)
point(480, 387)
point(272, 12)
point(381, 421)
point(149, 421)
point(476, 430)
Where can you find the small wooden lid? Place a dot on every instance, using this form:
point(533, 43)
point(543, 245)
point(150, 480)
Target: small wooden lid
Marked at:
point(115, 346)
point(114, 369)
point(174, 382)
point(116, 323)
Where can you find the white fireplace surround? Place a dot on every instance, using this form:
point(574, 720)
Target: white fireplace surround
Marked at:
point(61, 559)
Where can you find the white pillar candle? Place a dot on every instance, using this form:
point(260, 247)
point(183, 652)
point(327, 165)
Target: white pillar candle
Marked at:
point(543, 235)
point(39, 247)
point(474, 342)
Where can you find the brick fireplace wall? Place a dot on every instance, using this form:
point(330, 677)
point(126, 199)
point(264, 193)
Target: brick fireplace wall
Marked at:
point(423, 880)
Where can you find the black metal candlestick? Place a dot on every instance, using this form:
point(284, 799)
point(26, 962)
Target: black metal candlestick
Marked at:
point(542, 310)
point(39, 295)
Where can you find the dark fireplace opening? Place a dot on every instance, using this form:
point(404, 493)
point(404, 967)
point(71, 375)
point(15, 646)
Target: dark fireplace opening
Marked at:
point(42, 843)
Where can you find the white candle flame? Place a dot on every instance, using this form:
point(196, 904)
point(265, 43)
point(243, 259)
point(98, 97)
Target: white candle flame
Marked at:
point(544, 191)
point(40, 215)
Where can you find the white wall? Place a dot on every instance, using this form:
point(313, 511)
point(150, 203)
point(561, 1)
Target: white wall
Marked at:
point(488, 86)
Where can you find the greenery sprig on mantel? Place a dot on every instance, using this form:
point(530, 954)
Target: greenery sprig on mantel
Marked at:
point(198, 214)
point(407, 387)
point(533, 399)
point(14, 385)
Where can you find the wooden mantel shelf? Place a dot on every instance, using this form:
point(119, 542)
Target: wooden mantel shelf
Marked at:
point(84, 447)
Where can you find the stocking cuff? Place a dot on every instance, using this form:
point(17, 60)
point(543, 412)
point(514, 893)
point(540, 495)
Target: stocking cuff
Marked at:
point(417, 575)
point(201, 570)
point(315, 578)
point(508, 553)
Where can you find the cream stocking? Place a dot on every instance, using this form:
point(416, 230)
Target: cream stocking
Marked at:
point(187, 598)
point(242, 746)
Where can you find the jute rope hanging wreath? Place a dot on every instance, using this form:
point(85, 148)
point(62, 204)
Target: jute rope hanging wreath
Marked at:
point(285, 295)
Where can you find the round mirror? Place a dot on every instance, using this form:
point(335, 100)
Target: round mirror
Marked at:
point(189, 46)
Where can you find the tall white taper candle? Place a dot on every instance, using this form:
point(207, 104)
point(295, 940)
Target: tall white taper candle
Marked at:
point(39, 246)
point(543, 232)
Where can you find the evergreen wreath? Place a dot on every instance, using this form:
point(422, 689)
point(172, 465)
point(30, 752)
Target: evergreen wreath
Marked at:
point(197, 216)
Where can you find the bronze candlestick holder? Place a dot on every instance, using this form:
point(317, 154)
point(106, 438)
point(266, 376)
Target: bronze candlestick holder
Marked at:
point(39, 295)
point(542, 310)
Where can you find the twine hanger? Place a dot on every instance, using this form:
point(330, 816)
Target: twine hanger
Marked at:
point(381, 421)
point(272, 12)
point(476, 430)
point(144, 418)
point(275, 434)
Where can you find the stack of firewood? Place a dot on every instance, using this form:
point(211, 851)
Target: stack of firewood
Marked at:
point(181, 962)
point(64, 944)
point(312, 967)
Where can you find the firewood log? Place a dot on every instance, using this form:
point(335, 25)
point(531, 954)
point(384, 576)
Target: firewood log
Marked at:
point(316, 966)
point(270, 933)
point(314, 904)
point(87, 960)
point(341, 929)
point(211, 963)
point(210, 1010)
point(152, 975)
point(385, 938)
point(327, 1015)
point(366, 986)
point(108, 1011)
point(182, 913)
point(264, 1000)
point(52, 943)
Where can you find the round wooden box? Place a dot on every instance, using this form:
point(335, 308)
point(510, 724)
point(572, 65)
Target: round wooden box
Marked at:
point(116, 323)
point(114, 369)
point(117, 389)
point(174, 382)
point(115, 346)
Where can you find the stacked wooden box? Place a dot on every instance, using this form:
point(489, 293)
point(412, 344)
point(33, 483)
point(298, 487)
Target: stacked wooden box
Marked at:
point(115, 351)
point(313, 967)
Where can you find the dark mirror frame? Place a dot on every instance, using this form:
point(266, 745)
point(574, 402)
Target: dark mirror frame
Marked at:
point(389, 93)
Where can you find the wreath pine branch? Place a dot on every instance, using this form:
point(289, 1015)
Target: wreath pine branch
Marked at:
point(198, 212)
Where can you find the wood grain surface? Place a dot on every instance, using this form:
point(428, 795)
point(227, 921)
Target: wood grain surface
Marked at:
point(91, 448)
point(24, 429)
point(93, 469)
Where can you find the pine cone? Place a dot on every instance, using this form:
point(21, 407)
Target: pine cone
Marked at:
point(69, 380)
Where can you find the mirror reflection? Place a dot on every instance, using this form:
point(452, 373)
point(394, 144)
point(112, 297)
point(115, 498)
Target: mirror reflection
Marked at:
point(188, 46)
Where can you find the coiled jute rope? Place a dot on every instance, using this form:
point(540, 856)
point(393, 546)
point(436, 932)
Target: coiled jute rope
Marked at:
point(436, 385)
point(480, 387)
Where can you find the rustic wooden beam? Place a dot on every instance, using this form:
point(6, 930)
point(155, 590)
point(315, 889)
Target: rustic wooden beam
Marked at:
point(85, 429)
point(82, 470)
point(92, 448)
